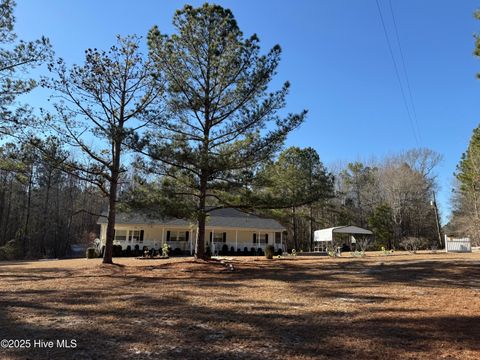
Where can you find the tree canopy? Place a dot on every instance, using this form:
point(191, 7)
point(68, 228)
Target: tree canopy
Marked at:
point(221, 118)
point(16, 58)
point(102, 105)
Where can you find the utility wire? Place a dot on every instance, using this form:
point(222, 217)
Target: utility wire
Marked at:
point(404, 66)
point(397, 73)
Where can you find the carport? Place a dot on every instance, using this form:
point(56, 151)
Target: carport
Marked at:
point(325, 237)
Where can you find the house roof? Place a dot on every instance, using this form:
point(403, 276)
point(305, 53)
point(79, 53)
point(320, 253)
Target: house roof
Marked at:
point(327, 234)
point(222, 218)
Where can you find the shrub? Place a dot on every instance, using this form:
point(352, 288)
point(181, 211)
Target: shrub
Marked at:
point(91, 253)
point(412, 244)
point(232, 251)
point(252, 251)
point(239, 252)
point(363, 243)
point(9, 251)
point(245, 251)
point(3, 253)
point(117, 250)
point(145, 251)
point(269, 251)
point(224, 250)
point(165, 250)
point(128, 251)
point(260, 252)
point(136, 250)
point(177, 252)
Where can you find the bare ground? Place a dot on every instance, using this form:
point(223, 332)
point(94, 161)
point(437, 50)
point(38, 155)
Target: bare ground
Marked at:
point(378, 307)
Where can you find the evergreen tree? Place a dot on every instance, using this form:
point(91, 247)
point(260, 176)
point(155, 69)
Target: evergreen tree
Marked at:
point(466, 214)
point(16, 57)
point(466, 195)
point(359, 190)
point(104, 103)
point(381, 223)
point(468, 170)
point(222, 121)
point(296, 179)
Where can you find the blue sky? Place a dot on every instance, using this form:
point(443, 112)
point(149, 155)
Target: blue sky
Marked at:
point(336, 57)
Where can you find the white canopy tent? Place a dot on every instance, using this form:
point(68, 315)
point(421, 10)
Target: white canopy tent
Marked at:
point(323, 236)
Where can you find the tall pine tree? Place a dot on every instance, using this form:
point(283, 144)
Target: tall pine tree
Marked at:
point(103, 103)
point(222, 118)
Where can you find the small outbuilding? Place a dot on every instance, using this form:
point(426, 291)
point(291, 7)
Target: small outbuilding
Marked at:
point(461, 245)
point(327, 237)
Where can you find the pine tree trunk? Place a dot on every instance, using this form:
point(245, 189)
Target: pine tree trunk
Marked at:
point(112, 205)
point(2, 205)
point(112, 202)
point(200, 246)
point(311, 228)
point(7, 213)
point(28, 208)
point(46, 218)
point(295, 236)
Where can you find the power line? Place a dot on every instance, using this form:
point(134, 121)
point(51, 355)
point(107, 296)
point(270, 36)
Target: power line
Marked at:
point(412, 103)
point(397, 73)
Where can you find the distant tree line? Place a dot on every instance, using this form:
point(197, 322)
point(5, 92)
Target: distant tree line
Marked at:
point(192, 126)
point(43, 210)
point(393, 197)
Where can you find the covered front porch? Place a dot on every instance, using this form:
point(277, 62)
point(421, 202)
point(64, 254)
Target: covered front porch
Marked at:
point(183, 239)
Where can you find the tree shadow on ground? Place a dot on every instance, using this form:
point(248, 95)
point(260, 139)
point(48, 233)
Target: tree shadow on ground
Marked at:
point(307, 313)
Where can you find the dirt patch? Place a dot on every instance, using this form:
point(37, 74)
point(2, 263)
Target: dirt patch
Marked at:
point(377, 307)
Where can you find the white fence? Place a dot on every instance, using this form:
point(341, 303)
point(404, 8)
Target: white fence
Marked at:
point(457, 245)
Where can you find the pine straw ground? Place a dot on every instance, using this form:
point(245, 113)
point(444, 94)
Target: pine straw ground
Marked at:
point(377, 307)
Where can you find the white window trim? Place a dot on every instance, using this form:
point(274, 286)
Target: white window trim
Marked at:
point(129, 235)
point(177, 232)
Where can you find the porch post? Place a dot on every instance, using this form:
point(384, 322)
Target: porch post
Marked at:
point(213, 242)
point(190, 232)
point(281, 240)
point(258, 241)
point(236, 240)
point(163, 236)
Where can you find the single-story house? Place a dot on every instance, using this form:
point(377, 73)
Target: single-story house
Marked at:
point(230, 227)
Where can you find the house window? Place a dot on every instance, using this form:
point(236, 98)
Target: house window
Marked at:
point(263, 238)
point(136, 236)
point(120, 235)
point(260, 238)
point(130, 235)
point(220, 237)
point(177, 235)
point(181, 236)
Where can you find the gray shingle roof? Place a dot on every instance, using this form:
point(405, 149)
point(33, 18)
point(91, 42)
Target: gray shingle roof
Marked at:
point(225, 218)
point(350, 229)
